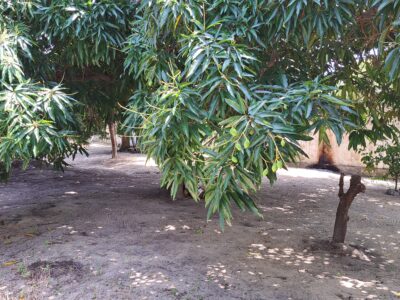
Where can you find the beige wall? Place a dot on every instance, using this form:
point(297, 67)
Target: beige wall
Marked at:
point(340, 154)
point(343, 158)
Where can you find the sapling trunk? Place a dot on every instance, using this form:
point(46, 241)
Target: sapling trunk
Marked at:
point(346, 199)
point(113, 137)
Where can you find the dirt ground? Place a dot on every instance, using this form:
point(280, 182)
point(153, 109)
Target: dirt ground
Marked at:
point(105, 230)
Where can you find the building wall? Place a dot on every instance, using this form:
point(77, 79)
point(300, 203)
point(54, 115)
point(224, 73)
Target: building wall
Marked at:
point(343, 158)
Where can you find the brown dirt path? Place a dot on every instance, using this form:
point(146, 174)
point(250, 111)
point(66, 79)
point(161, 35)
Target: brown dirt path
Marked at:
point(105, 230)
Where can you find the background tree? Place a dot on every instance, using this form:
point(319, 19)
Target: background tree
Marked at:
point(73, 42)
point(36, 117)
point(86, 39)
point(389, 155)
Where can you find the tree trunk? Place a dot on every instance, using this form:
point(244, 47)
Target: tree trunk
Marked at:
point(180, 195)
point(125, 143)
point(346, 199)
point(113, 137)
point(134, 141)
point(396, 181)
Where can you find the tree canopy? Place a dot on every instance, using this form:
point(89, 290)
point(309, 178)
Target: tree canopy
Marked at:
point(219, 92)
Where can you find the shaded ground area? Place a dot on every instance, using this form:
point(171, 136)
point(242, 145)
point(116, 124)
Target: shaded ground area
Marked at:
point(105, 230)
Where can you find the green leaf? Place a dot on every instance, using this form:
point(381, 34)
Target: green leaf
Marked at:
point(246, 143)
point(235, 105)
point(233, 132)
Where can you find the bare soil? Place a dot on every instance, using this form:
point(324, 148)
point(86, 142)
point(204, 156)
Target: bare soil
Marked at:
point(105, 230)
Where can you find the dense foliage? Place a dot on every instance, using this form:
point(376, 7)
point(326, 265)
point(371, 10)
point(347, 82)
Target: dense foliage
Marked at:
point(226, 89)
point(220, 92)
point(53, 53)
point(36, 118)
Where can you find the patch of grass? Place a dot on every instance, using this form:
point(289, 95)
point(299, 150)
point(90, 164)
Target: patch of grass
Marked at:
point(380, 177)
point(174, 291)
point(199, 231)
point(23, 270)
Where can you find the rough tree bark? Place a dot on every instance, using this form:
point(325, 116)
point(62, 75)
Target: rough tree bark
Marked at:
point(113, 136)
point(346, 199)
point(125, 143)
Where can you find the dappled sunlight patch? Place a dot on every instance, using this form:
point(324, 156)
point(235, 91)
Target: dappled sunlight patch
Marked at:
point(255, 249)
point(307, 200)
point(70, 229)
point(287, 255)
point(324, 191)
point(170, 228)
point(284, 229)
point(140, 279)
point(218, 274)
point(307, 173)
point(363, 286)
point(320, 255)
point(141, 160)
point(3, 288)
point(381, 203)
point(323, 275)
point(379, 240)
point(71, 193)
point(310, 195)
point(258, 246)
point(285, 209)
point(174, 227)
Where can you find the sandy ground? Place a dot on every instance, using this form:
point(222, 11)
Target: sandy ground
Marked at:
point(105, 230)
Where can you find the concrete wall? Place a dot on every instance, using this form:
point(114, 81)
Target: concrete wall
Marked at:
point(340, 155)
point(345, 159)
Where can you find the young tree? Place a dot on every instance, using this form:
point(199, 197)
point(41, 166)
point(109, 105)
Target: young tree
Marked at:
point(389, 155)
point(345, 201)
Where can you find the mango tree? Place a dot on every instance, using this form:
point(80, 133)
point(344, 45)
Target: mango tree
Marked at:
point(220, 92)
point(221, 102)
